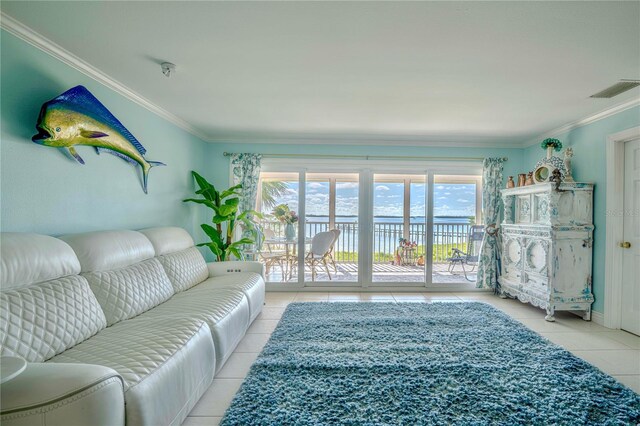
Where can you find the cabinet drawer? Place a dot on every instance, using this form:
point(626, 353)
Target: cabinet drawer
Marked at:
point(536, 281)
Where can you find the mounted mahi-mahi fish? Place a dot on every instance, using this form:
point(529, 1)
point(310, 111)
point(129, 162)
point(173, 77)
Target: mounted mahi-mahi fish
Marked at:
point(76, 117)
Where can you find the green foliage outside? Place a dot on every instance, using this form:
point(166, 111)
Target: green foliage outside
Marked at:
point(440, 253)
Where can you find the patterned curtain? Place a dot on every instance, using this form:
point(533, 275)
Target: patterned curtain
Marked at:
point(245, 169)
point(489, 258)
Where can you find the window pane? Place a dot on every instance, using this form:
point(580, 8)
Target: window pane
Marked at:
point(399, 224)
point(456, 241)
point(331, 205)
point(279, 195)
point(346, 250)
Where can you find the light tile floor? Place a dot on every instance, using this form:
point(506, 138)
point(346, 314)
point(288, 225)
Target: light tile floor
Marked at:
point(613, 351)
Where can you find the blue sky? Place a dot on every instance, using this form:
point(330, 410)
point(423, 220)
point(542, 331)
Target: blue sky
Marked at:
point(449, 199)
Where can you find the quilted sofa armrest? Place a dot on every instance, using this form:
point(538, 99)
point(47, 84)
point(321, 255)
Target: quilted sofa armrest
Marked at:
point(230, 267)
point(63, 394)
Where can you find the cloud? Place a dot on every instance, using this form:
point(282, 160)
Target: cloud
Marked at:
point(462, 200)
point(315, 185)
point(347, 185)
point(382, 188)
point(440, 187)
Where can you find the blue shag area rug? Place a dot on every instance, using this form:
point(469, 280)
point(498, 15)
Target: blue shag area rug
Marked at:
point(421, 364)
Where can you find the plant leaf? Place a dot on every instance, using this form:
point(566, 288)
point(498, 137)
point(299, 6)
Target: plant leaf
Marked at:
point(207, 203)
point(206, 189)
point(213, 234)
point(227, 210)
point(234, 190)
point(237, 253)
point(242, 241)
point(219, 219)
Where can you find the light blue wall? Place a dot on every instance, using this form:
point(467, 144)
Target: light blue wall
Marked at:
point(43, 191)
point(589, 165)
point(220, 164)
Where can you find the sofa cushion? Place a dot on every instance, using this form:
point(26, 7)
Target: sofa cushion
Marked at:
point(168, 239)
point(63, 394)
point(165, 364)
point(40, 321)
point(251, 284)
point(182, 261)
point(185, 268)
point(27, 259)
point(127, 292)
point(108, 250)
point(226, 311)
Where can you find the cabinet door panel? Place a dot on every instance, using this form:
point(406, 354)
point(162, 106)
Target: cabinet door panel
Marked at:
point(536, 256)
point(512, 258)
point(523, 209)
point(571, 266)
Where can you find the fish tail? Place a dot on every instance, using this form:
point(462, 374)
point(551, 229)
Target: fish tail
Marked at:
point(145, 172)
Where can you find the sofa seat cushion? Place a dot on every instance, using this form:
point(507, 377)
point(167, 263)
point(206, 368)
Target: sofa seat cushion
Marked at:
point(226, 311)
point(126, 292)
point(251, 284)
point(165, 364)
point(185, 268)
point(63, 394)
point(42, 320)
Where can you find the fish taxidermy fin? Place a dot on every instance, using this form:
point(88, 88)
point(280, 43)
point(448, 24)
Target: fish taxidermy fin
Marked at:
point(81, 97)
point(89, 134)
point(116, 153)
point(145, 173)
point(72, 153)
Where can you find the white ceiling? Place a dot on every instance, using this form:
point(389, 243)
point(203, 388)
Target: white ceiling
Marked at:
point(491, 73)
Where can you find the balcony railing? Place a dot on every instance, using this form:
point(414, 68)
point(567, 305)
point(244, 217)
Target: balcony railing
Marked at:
point(386, 236)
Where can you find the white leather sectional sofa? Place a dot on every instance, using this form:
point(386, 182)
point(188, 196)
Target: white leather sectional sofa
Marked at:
point(118, 327)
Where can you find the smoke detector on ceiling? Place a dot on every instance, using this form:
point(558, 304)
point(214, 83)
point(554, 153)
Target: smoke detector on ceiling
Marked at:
point(618, 88)
point(167, 68)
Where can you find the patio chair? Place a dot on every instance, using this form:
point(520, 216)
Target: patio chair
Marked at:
point(271, 256)
point(470, 257)
point(336, 234)
point(319, 252)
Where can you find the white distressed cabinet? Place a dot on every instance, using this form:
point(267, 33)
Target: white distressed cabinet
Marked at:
point(547, 239)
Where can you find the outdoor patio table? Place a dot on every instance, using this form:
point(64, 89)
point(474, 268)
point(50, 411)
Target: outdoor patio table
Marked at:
point(291, 248)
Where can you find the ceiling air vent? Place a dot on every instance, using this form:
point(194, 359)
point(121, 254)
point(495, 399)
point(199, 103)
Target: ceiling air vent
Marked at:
point(620, 87)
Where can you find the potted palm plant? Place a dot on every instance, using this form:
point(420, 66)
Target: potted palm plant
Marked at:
point(226, 219)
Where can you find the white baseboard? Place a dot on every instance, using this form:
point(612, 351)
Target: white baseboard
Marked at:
point(598, 318)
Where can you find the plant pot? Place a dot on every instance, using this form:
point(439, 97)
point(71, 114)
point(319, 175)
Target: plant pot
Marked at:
point(290, 232)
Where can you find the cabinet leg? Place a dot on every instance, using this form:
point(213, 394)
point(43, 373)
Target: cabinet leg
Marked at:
point(502, 295)
point(550, 317)
point(587, 315)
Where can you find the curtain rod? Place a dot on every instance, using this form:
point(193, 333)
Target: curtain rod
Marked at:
point(369, 157)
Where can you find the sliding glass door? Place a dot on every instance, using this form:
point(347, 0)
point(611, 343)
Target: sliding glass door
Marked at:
point(457, 231)
point(370, 228)
point(399, 228)
point(331, 227)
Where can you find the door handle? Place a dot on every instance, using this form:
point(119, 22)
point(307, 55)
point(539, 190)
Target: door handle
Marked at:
point(625, 244)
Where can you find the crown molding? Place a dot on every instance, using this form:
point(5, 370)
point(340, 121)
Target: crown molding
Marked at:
point(37, 40)
point(584, 121)
point(459, 141)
